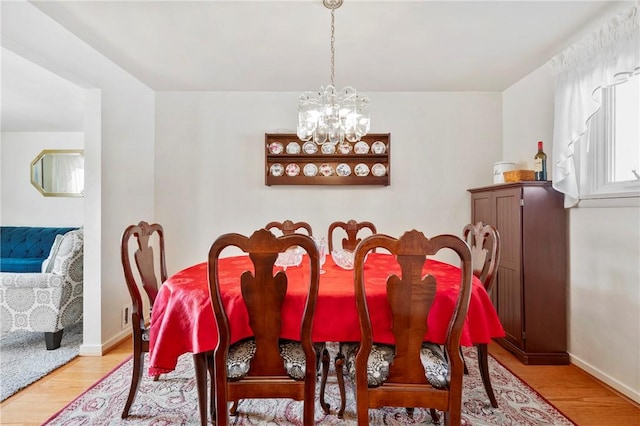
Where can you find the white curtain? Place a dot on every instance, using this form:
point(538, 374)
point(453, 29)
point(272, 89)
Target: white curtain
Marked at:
point(67, 173)
point(608, 56)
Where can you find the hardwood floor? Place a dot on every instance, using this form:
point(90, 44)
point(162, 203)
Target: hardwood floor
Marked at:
point(579, 396)
point(36, 403)
point(583, 399)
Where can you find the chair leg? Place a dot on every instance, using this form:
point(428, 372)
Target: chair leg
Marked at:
point(233, 411)
point(483, 365)
point(200, 364)
point(434, 415)
point(53, 339)
point(138, 361)
point(323, 380)
point(453, 417)
point(466, 371)
point(212, 403)
point(339, 364)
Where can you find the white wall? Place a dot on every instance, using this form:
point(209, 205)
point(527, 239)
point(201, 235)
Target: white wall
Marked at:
point(22, 204)
point(119, 144)
point(210, 165)
point(605, 295)
point(526, 122)
point(604, 256)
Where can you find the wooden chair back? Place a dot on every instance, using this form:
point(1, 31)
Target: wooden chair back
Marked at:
point(351, 228)
point(289, 227)
point(143, 284)
point(264, 294)
point(410, 297)
point(484, 241)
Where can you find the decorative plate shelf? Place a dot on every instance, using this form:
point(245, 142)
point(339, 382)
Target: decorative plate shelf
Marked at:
point(290, 161)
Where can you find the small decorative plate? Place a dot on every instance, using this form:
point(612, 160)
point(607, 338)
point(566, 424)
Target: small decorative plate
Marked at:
point(326, 169)
point(345, 148)
point(343, 169)
point(293, 169)
point(293, 148)
point(310, 147)
point(276, 169)
point(361, 147)
point(378, 170)
point(276, 148)
point(378, 147)
point(310, 169)
point(328, 148)
point(361, 169)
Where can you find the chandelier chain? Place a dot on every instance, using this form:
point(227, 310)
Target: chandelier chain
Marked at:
point(332, 116)
point(333, 47)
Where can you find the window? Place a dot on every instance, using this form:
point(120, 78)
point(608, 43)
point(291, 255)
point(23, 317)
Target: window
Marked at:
point(612, 156)
point(595, 130)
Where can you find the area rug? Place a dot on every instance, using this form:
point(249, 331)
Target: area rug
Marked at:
point(24, 357)
point(173, 401)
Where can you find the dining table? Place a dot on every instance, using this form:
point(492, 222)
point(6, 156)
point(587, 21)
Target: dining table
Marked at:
point(182, 318)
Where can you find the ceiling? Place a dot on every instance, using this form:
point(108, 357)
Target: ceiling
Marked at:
point(267, 45)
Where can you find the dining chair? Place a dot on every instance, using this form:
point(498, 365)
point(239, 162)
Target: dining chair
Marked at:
point(410, 373)
point(289, 227)
point(484, 241)
point(351, 228)
point(143, 285)
point(264, 366)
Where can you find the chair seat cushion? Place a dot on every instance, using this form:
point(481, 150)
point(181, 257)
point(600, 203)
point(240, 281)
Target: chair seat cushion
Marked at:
point(381, 357)
point(238, 359)
point(435, 365)
point(241, 353)
point(16, 264)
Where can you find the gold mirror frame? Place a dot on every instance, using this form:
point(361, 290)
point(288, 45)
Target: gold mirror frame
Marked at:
point(42, 177)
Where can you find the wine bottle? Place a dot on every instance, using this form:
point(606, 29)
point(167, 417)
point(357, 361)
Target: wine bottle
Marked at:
point(540, 163)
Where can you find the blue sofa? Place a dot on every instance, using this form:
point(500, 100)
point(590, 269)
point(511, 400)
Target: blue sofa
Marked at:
point(24, 248)
point(41, 291)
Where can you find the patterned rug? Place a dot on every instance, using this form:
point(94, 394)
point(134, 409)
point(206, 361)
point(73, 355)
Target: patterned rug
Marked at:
point(173, 401)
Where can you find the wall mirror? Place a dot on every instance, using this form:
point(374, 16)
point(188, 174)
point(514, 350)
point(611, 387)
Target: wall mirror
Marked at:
point(59, 172)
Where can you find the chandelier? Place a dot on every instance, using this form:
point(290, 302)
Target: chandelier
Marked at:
point(331, 115)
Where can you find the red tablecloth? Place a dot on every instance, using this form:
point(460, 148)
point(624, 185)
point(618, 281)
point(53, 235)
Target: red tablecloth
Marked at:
point(183, 320)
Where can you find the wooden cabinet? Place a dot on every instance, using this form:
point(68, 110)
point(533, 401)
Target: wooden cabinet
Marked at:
point(290, 161)
point(530, 294)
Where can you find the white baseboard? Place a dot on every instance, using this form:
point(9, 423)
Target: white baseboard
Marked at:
point(632, 394)
point(99, 350)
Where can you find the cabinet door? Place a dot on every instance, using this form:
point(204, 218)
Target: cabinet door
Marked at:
point(481, 207)
point(507, 218)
